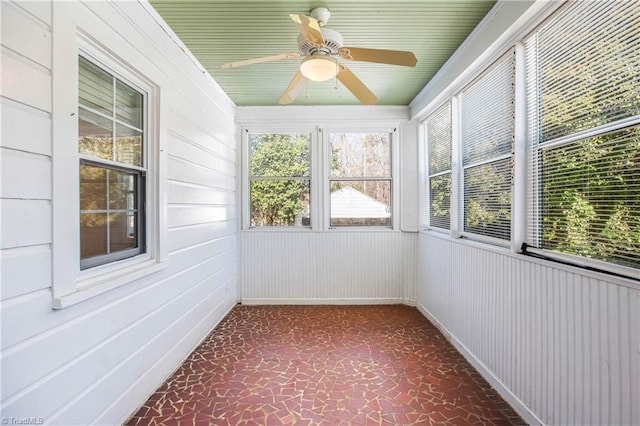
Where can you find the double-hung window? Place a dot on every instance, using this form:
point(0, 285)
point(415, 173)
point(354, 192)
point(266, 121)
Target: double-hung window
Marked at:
point(438, 134)
point(111, 139)
point(280, 179)
point(583, 73)
point(360, 179)
point(487, 138)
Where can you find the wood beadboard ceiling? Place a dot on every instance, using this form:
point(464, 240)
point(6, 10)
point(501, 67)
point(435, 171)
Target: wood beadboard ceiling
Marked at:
point(217, 32)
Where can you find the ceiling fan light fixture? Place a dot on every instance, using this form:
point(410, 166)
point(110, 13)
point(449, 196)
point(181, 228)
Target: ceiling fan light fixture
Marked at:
point(319, 68)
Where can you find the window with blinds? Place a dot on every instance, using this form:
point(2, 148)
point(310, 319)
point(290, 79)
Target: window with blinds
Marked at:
point(583, 78)
point(438, 185)
point(487, 137)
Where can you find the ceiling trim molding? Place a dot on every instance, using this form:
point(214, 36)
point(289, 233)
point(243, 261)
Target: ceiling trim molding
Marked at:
point(315, 114)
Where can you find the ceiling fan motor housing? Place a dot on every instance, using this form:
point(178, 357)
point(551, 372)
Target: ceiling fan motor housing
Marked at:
point(333, 41)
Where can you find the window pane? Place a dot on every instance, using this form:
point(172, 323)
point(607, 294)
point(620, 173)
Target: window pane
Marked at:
point(589, 67)
point(280, 155)
point(487, 114)
point(95, 87)
point(440, 194)
point(93, 188)
point(95, 135)
point(122, 190)
point(128, 105)
point(120, 237)
point(591, 198)
point(93, 234)
point(280, 202)
point(439, 140)
point(360, 154)
point(128, 146)
point(487, 199)
point(361, 203)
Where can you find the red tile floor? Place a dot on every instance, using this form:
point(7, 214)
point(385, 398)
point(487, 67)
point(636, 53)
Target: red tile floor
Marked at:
point(325, 365)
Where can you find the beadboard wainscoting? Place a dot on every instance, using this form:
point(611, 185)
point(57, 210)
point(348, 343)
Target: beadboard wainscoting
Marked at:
point(341, 267)
point(561, 341)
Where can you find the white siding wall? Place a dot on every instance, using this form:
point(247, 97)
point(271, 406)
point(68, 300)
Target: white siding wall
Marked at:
point(328, 267)
point(96, 361)
point(563, 343)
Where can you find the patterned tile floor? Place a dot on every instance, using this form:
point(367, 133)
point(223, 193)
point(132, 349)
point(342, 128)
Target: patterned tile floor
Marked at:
point(325, 365)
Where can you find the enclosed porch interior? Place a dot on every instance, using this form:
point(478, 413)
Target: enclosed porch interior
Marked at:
point(554, 332)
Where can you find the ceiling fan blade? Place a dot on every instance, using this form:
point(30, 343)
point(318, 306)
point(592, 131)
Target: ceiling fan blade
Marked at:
point(356, 86)
point(292, 90)
point(309, 28)
point(260, 60)
point(381, 56)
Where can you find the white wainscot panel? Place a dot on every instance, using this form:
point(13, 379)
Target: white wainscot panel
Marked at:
point(325, 267)
point(561, 345)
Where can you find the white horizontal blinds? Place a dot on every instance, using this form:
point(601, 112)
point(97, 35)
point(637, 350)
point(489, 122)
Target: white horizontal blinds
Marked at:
point(487, 136)
point(589, 65)
point(583, 72)
point(438, 133)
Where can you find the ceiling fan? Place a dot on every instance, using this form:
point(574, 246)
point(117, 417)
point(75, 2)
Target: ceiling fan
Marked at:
point(320, 48)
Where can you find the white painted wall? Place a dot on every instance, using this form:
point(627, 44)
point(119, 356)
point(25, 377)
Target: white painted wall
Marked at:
point(562, 345)
point(341, 267)
point(336, 266)
point(95, 362)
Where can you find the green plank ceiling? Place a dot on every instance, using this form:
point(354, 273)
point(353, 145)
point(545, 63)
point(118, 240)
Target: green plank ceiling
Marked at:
point(218, 32)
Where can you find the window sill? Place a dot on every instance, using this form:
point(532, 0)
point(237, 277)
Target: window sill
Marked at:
point(98, 284)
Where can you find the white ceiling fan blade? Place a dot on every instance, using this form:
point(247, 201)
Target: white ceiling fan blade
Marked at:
point(381, 56)
point(309, 28)
point(356, 86)
point(260, 60)
point(292, 90)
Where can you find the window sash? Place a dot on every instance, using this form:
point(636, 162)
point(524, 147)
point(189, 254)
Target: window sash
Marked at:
point(439, 144)
point(580, 202)
point(112, 115)
point(487, 132)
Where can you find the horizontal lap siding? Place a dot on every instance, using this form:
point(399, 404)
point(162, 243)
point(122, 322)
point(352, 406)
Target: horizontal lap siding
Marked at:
point(567, 346)
point(96, 361)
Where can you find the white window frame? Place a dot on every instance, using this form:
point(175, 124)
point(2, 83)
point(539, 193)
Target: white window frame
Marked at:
point(71, 285)
point(320, 174)
point(313, 175)
point(522, 179)
point(531, 202)
point(426, 157)
point(394, 152)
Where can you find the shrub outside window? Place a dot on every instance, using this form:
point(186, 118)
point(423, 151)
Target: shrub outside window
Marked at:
point(280, 179)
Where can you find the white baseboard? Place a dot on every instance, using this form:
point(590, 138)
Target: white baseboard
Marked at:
point(323, 301)
point(487, 374)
